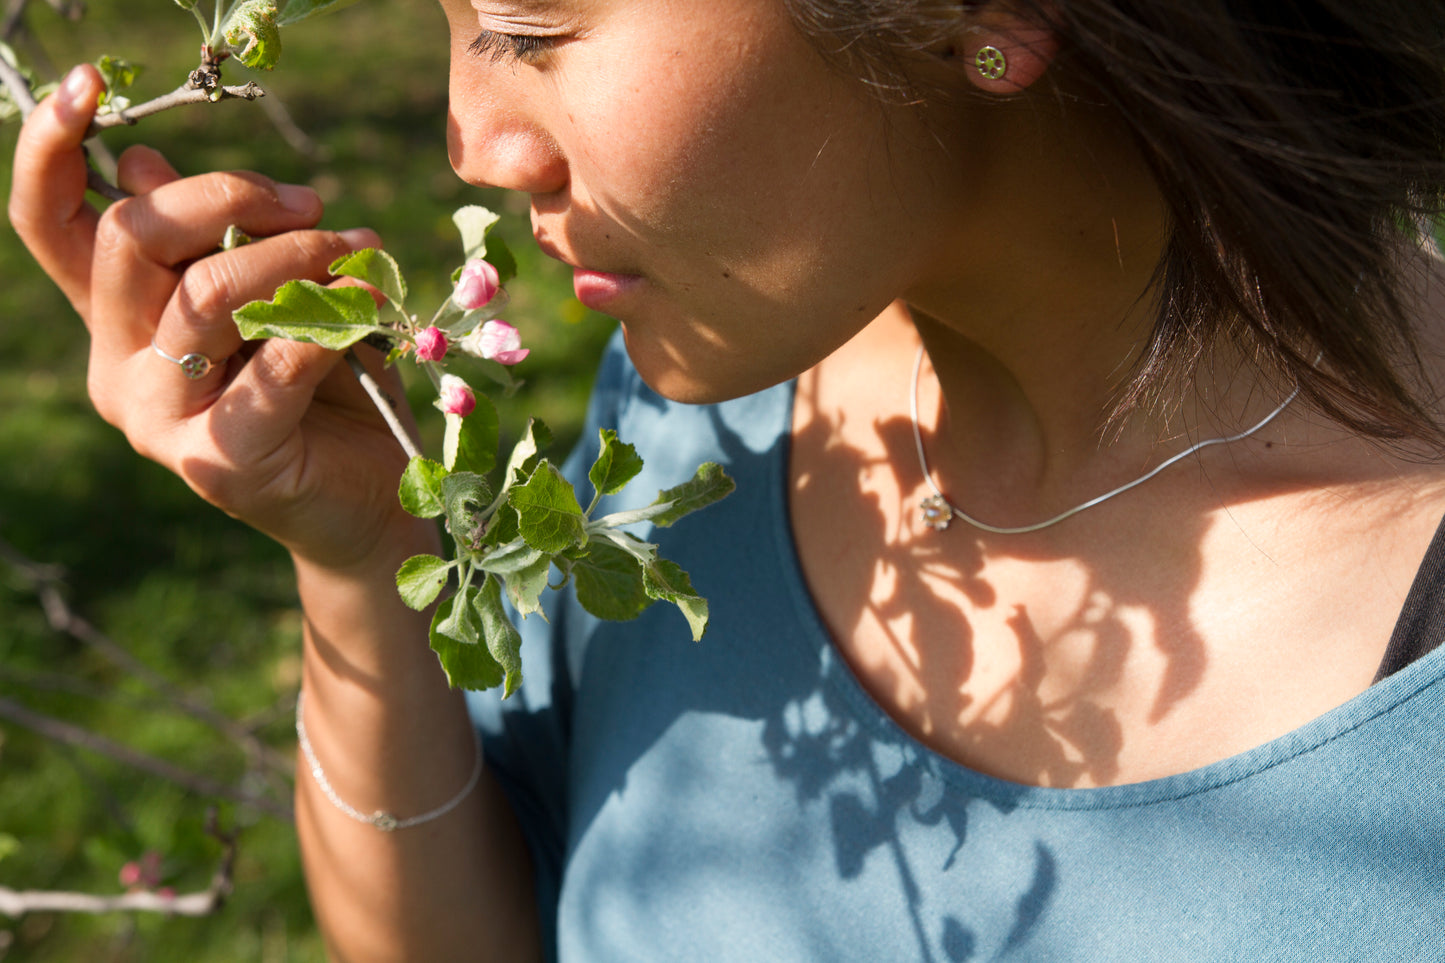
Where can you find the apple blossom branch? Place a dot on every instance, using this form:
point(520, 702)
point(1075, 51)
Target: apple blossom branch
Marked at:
point(17, 903)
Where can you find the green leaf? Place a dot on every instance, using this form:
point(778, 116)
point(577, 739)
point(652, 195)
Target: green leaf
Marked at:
point(474, 222)
point(710, 484)
point(254, 32)
point(421, 579)
point(118, 75)
point(617, 464)
point(504, 642)
point(334, 318)
point(667, 581)
point(376, 268)
point(470, 443)
point(296, 10)
point(464, 496)
point(499, 256)
point(525, 454)
point(514, 556)
point(526, 584)
point(609, 582)
point(547, 511)
point(467, 664)
point(420, 491)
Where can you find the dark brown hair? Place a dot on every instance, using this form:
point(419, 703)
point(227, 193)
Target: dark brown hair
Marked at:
point(1300, 146)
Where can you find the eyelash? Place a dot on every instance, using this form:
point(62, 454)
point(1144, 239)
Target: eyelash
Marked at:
point(510, 46)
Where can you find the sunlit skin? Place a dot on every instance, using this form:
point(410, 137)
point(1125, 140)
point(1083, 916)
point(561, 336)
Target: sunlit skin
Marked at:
point(764, 208)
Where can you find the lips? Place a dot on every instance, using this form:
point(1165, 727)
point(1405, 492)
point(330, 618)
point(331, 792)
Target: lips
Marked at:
point(597, 289)
point(594, 288)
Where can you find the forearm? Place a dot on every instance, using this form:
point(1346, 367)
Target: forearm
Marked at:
point(391, 736)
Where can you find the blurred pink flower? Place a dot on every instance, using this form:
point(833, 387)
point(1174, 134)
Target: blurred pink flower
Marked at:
point(496, 341)
point(431, 344)
point(456, 396)
point(477, 285)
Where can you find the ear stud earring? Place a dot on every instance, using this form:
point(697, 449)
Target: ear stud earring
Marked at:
point(991, 62)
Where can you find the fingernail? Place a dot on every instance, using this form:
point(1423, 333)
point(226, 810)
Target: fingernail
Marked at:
point(75, 92)
point(297, 198)
point(358, 237)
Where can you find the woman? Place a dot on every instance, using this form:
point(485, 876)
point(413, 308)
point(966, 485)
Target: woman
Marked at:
point(1027, 254)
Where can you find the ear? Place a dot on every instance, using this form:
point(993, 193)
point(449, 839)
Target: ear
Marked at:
point(1004, 55)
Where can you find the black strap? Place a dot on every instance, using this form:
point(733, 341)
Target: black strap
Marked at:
point(1421, 625)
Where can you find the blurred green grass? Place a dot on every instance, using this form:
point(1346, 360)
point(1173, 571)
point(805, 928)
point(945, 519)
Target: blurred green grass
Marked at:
point(205, 601)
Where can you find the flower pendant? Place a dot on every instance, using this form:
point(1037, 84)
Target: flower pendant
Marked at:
point(937, 513)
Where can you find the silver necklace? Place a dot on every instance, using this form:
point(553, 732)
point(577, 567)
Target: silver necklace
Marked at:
point(938, 511)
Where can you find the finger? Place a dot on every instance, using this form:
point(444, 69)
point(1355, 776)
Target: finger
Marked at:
point(141, 170)
point(47, 195)
point(186, 219)
point(142, 244)
point(199, 316)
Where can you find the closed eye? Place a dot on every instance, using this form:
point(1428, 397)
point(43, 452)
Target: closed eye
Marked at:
point(510, 46)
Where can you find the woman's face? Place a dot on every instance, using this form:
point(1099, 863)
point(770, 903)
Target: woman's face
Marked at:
point(739, 205)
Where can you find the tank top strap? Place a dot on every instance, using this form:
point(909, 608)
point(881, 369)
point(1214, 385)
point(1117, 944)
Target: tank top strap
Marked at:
point(1421, 625)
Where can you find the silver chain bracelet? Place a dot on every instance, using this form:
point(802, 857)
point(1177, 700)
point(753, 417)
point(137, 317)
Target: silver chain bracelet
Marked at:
point(381, 819)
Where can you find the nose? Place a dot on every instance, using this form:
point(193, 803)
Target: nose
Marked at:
point(494, 134)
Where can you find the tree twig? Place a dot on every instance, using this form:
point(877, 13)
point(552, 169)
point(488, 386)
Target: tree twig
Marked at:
point(46, 581)
point(73, 735)
point(383, 405)
point(17, 903)
point(185, 94)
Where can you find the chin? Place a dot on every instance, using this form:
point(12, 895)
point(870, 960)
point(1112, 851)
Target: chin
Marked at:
point(696, 377)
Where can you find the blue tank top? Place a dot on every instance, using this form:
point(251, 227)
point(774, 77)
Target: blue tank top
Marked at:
point(744, 799)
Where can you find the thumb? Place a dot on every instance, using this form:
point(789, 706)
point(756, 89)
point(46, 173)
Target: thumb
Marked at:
point(47, 195)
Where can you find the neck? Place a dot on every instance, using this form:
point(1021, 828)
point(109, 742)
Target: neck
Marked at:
point(1031, 330)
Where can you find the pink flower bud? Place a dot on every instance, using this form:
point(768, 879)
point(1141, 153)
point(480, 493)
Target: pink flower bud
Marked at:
point(431, 344)
point(477, 285)
point(456, 396)
point(130, 874)
point(497, 341)
point(166, 892)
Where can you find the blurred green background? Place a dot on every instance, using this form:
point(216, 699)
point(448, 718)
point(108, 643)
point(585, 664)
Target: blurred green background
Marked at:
point(195, 596)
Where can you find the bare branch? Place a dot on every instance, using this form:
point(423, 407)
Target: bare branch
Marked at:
point(181, 96)
point(16, 903)
point(47, 583)
point(73, 735)
point(18, 87)
point(383, 405)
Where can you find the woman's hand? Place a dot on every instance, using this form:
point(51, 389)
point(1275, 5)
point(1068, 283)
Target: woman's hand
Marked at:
point(276, 433)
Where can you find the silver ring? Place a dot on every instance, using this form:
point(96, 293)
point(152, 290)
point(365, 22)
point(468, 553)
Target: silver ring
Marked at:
point(194, 365)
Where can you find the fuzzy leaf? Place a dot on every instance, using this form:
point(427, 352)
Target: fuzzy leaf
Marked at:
point(547, 511)
point(421, 488)
point(667, 581)
point(468, 665)
point(526, 584)
point(334, 318)
point(709, 485)
point(255, 34)
point(376, 268)
point(470, 443)
point(421, 579)
point(609, 582)
point(617, 464)
point(511, 557)
point(503, 641)
point(464, 496)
